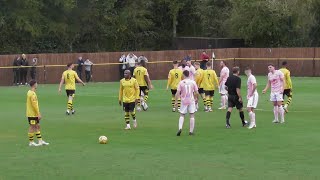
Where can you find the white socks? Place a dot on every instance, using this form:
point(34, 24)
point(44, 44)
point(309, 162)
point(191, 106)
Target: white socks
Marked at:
point(181, 120)
point(276, 113)
point(192, 122)
point(224, 99)
point(252, 116)
point(281, 111)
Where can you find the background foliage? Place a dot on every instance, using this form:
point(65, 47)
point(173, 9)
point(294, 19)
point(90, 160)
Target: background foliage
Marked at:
point(34, 26)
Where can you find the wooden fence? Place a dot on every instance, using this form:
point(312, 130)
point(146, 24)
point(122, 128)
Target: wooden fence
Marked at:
point(301, 62)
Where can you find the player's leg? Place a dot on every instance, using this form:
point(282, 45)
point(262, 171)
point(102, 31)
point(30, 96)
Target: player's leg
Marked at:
point(192, 110)
point(211, 99)
point(280, 107)
point(251, 106)
point(173, 99)
point(133, 114)
point(70, 94)
point(231, 104)
point(289, 95)
point(203, 96)
point(139, 100)
point(39, 137)
point(183, 111)
point(239, 106)
point(31, 131)
point(127, 115)
point(145, 98)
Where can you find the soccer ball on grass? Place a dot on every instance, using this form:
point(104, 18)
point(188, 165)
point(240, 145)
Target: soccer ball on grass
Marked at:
point(103, 140)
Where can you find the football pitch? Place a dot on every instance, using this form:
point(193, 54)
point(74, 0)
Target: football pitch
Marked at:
point(153, 151)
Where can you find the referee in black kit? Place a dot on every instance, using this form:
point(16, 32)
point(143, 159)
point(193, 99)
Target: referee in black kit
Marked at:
point(233, 86)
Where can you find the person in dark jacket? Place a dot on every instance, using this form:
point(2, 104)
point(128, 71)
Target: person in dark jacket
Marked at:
point(16, 70)
point(33, 71)
point(80, 63)
point(24, 70)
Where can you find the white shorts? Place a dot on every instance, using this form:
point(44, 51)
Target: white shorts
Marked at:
point(253, 101)
point(222, 89)
point(184, 109)
point(276, 96)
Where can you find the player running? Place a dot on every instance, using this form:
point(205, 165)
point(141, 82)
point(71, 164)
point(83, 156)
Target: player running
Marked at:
point(69, 77)
point(198, 79)
point(141, 74)
point(287, 86)
point(252, 97)
point(276, 81)
point(233, 85)
point(224, 74)
point(34, 115)
point(210, 82)
point(174, 77)
point(188, 92)
point(129, 97)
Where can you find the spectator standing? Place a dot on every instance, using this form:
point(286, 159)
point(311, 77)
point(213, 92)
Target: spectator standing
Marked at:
point(24, 69)
point(188, 58)
point(124, 66)
point(142, 57)
point(16, 70)
point(80, 63)
point(33, 71)
point(131, 59)
point(88, 67)
point(204, 59)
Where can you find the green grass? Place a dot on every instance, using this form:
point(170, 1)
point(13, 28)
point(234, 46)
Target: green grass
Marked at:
point(272, 151)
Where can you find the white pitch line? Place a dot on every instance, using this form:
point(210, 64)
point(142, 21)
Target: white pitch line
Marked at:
point(289, 111)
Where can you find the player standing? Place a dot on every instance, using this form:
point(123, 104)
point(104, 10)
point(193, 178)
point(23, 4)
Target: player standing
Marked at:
point(287, 86)
point(188, 92)
point(129, 96)
point(252, 97)
point(191, 69)
point(224, 74)
point(174, 77)
point(141, 74)
point(210, 82)
point(276, 81)
point(69, 77)
point(34, 115)
point(198, 79)
point(233, 85)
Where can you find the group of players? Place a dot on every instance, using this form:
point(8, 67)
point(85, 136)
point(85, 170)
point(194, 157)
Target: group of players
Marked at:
point(187, 82)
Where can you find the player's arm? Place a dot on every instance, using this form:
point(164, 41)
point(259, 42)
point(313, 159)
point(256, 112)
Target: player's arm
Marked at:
point(283, 80)
point(253, 89)
point(267, 87)
point(177, 96)
point(195, 92)
point(137, 91)
point(78, 79)
point(120, 94)
point(35, 106)
point(215, 79)
point(169, 80)
point(147, 79)
point(61, 82)
point(221, 77)
point(289, 82)
point(238, 89)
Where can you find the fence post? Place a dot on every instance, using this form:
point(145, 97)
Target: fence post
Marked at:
point(234, 62)
point(314, 67)
point(44, 74)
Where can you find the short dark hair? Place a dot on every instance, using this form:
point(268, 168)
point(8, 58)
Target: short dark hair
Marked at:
point(186, 73)
point(235, 69)
point(270, 64)
point(197, 63)
point(69, 65)
point(209, 64)
point(175, 62)
point(248, 68)
point(32, 82)
point(284, 63)
point(224, 62)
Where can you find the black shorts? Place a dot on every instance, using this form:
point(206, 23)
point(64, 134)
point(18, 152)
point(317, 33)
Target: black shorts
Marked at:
point(70, 92)
point(209, 93)
point(287, 92)
point(144, 89)
point(200, 90)
point(173, 91)
point(233, 101)
point(33, 120)
point(129, 107)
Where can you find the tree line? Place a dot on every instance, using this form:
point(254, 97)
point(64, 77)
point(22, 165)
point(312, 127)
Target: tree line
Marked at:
point(44, 26)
